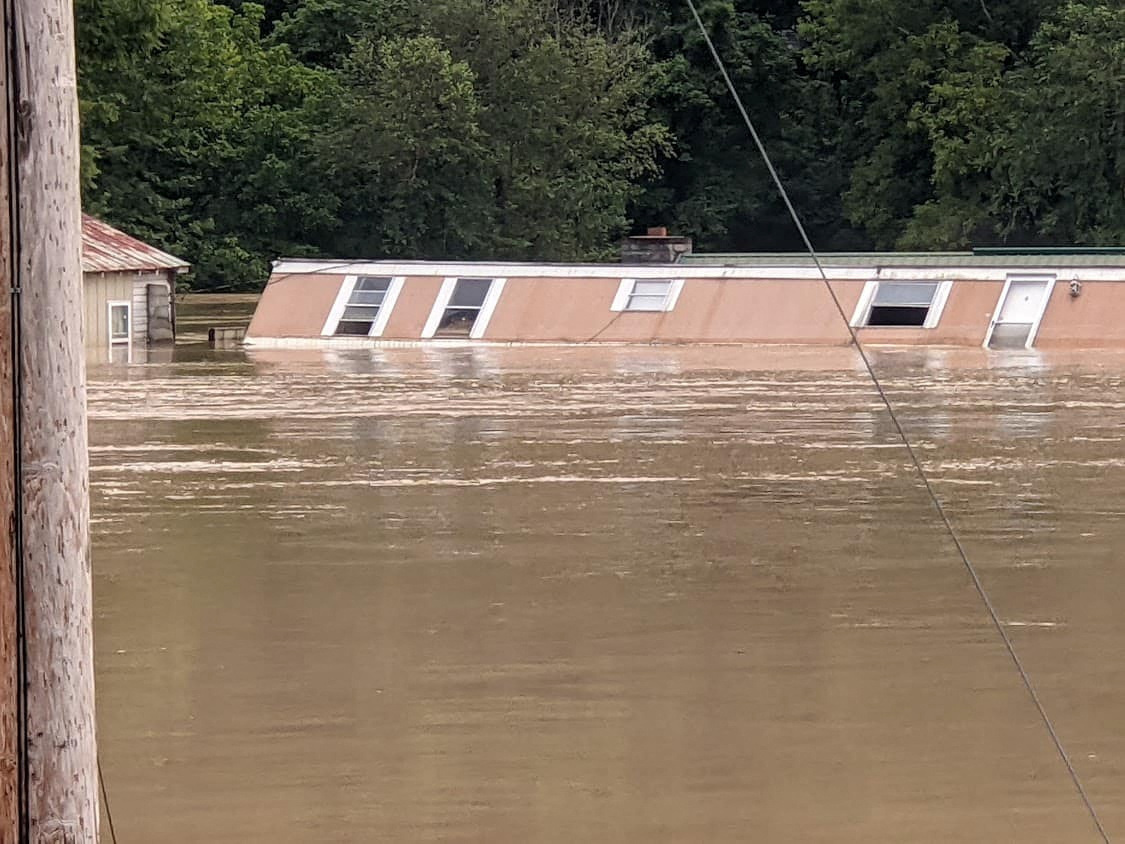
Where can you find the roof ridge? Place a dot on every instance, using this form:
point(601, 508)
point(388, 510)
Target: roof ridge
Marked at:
point(106, 248)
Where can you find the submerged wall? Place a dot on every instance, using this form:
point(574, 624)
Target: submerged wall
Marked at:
point(99, 289)
point(576, 304)
point(708, 310)
point(1095, 318)
point(295, 305)
point(148, 321)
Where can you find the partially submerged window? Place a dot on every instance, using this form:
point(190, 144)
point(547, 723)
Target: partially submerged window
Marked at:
point(464, 306)
point(902, 304)
point(363, 306)
point(120, 314)
point(647, 294)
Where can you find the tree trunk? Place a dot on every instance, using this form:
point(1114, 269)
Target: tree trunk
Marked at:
point(61, 751)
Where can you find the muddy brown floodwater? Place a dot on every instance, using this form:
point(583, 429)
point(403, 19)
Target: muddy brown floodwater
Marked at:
point(605, 594)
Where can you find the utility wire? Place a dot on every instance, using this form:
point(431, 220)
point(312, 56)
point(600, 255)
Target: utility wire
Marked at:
point(943, 516)
point(105, 802)
point(23, 769)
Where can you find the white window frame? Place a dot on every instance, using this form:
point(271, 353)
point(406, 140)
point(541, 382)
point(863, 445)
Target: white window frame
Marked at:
point(119, 303)
point(1048, 294)
point(625, 291)
point(484, 315)
point(867, 298)
point(394, 289)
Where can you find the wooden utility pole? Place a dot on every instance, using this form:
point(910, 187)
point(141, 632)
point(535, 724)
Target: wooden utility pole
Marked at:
point(48, 762)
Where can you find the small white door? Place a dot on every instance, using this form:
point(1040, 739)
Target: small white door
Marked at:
point(1019, 311)
point(1023, 302)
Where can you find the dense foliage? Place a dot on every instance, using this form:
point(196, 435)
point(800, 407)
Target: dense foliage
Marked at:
point(233, 133)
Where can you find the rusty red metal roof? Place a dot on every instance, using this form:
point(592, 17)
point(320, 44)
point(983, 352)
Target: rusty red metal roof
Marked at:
point(109, 250)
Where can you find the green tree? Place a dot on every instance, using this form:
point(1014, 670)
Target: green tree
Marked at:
point(192, 134)
point(1029, 150)
point(234, 133)
point(507, 129)
point(716, 187)
point(1062, 131)
point(959, 121)
point(891, 62)
point(321, 33)
point(568, 121)
point(407, 151)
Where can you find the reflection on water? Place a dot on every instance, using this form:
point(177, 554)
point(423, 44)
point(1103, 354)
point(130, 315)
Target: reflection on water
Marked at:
point(604, 594)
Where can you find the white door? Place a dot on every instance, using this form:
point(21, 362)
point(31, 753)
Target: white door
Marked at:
point(1019, 311)
point(1023, 302)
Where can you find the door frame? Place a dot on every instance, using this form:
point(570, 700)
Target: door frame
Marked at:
point(170, 293)
point(1049, 290)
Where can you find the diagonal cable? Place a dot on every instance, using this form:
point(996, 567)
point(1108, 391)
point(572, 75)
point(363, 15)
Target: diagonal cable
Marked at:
point(914, 459)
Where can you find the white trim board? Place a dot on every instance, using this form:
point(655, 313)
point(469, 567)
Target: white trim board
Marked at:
point(621, 297)
point(863, 304)
point(937, 306)
point(680, 271)
point(390, 299)
point(337, 309)
point(674, 294)
point(440, 303)
point(491, 300)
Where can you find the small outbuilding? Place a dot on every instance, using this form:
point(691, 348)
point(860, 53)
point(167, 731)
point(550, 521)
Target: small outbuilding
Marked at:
point(129, 288)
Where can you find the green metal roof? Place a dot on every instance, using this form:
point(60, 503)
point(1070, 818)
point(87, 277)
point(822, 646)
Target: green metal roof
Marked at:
point(1049, 250)
point(1001, 257)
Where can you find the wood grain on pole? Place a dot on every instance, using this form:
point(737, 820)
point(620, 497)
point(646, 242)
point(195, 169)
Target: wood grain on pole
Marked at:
point(9, 587)
point(62, 760)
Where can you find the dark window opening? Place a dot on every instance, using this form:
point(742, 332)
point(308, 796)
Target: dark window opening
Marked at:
point(902, 315)
point(357, 328)
point(464, 307)
point(901, 304)
point(363, 306)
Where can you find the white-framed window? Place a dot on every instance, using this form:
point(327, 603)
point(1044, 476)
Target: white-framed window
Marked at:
point(901, 304)
point(120, 323)
point(463, 308)
point(647, 294)
point(363, 306)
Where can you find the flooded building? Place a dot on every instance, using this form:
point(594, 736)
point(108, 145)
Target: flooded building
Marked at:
point(665, 294)
point(129, 288)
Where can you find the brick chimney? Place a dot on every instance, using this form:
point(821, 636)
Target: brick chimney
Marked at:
point(656, 246)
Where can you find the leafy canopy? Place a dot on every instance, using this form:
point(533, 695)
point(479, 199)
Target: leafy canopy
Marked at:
point(234, 133)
